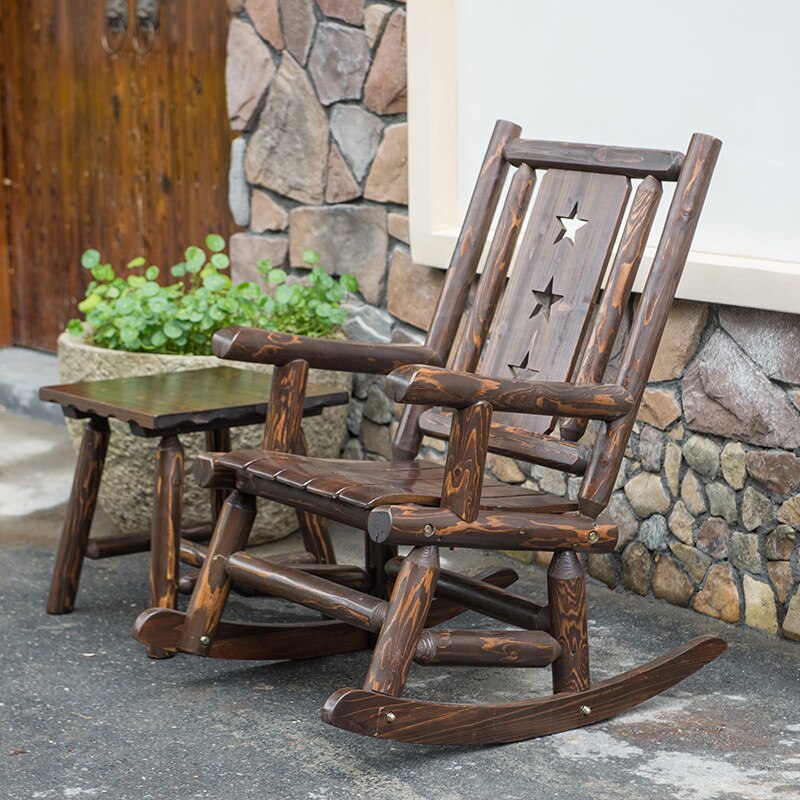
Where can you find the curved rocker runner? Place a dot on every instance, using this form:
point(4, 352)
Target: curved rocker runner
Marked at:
point(532, 360)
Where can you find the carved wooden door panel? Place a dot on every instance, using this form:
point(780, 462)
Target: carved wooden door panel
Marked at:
point(126, 152)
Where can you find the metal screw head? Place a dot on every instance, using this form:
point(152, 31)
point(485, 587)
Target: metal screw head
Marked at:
point(429, 529)
point(586, 710)
point(390, 717)
point(205, 640)
point(592, 537)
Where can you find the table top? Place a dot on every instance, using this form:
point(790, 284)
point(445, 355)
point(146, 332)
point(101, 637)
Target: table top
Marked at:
point(217, 397)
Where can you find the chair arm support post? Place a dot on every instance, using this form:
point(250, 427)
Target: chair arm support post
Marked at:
point(285, 411)
point(433, 386)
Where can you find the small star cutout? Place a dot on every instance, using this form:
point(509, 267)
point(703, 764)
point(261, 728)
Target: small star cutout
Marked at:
point(570, 226)
point(521, 370)
point(545, 301)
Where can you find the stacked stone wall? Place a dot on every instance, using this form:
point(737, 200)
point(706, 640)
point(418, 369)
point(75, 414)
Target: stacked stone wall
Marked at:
point(708, 498)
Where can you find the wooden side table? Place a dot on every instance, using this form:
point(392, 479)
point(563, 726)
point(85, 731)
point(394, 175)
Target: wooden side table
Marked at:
point(209, 400)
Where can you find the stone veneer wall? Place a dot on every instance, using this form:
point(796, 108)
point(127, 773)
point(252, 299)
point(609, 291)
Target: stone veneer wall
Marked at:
point(708, 499)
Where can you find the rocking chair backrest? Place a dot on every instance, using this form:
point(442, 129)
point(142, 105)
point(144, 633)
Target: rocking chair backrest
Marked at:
point(543, 323)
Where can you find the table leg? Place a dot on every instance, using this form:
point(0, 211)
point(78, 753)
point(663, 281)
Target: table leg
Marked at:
point(80, 512)
point(166, 531)
point(218, 442)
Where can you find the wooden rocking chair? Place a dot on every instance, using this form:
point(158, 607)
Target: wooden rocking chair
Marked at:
point(546, 349)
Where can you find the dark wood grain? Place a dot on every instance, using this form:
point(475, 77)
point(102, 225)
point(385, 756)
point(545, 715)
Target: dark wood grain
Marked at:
point(218, 441)
point(630, 161)
point(405, 618)
point(183, 401)
point(78, 521)
point(566, 592)
point(651, 316)
point(466, 460)
point(439, 386)
point(166, 528)
point(368, 713)
point(213, 583)
point(285, 412)
point(512, 530)
point(481, 648)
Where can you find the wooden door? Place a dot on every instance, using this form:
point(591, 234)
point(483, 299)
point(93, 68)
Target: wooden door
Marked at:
point(127, 153)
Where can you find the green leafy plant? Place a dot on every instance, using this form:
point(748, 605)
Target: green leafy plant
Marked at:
point(137, 314)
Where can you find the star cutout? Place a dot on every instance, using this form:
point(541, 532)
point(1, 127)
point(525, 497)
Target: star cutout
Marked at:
point(521, 370)
point(570, 226)
point(545, 301)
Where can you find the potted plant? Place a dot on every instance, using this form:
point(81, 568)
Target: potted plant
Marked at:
point(135, 326)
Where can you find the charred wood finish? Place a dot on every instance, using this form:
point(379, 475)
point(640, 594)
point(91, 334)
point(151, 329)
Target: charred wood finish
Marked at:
point(405, 619)
point(566, 591)
point(438, 386)
point(461, 271)
point(111, 546)
point(466, 461)
point(313, 527)
point(376, 557)
point(488, 599)
point(617, 293)
point(213, 584)
point(487, 648)
point(285, 413)
point(382, 717)
point(630, 161)
point(80, 512)
point(416, 525)
point(518, 443)
point(272, 347)
point(218, 441)
point(651, 316)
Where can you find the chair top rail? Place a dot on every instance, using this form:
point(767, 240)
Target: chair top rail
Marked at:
point(633, 162)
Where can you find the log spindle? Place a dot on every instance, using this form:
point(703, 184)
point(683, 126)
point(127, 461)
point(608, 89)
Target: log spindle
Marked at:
point(218, 442)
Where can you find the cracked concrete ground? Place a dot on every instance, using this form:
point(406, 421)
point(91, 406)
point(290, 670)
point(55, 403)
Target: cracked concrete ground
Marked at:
point(83, 712)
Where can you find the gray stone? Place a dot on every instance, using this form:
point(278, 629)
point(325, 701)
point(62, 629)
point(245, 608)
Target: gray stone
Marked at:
point(692, 494)
point(405, 334)
point(722, 501)
point(602, 567)
point(247, 250)
point(696, 563)
point(366, 323)
point(288, 153)
point(341, 185)
point(248, 72)
point(636, 566)
point(378, 407)
point(744, 551)
point(672, 467)
point(780, 543)
point(388, 177)
point(355, 417)
point(377, 439)
point(725, 395)
point(789, 512)
point(266, 18)
point(339, 62)
point(760, 610)
point(756, 509)
point(361, 384)
point(353, 450)
point(349, 239)
point(651, 449)
point(647, 495)
point(298, 21)
point(713, 537)
point(386, 90)
point(553, 482)
point(413, 290)
point(702, 455)
point(238, 187)
point(266, 214)
point(732, 461)
point(777, 470)
point(681, 523)
point(358, 134)
point(670, 582)
point(791, 622)
point(771, 339)
point(622, 514)
point(653, 533)
point(504, 469)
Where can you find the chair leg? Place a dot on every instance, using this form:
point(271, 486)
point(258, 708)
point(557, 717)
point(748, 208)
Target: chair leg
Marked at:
point(405, 619)
point(80, 512)
point(213, 584)
point(313, 527)
point(376, 557)
point(165, 536)
point(218, 442)
point(566, 589)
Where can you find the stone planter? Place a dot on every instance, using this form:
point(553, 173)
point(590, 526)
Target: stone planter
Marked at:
point(126, 493)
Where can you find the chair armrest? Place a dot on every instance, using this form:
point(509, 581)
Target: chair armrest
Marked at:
point(435, 386)
point(273, 347)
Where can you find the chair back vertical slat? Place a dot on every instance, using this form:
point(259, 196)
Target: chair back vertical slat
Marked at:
point(615, 298)
point(542, 318)
point(463, 266)
point(493, 281)
point(651, 317)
